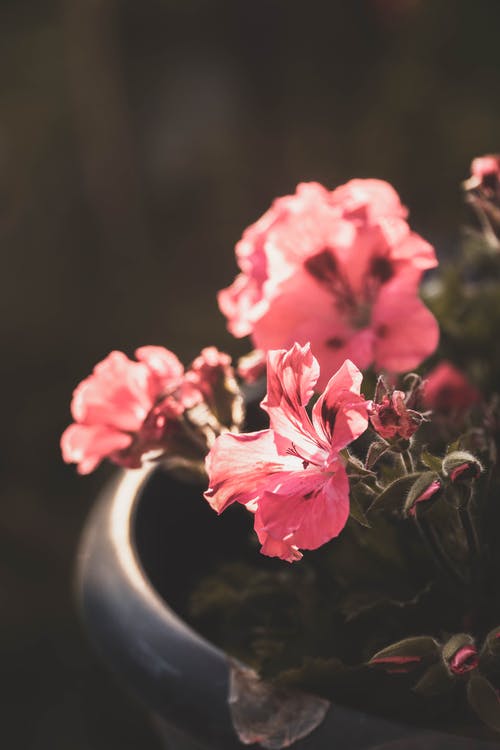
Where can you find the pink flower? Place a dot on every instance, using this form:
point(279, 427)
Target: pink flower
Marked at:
point(291, 476)
point(123, 409)
point(391, 418)
point(126, 409)
point(252, 366)
point(206, 370)
point(447, 389)
point(485, 168)
point(212, 377)
point(339, 269)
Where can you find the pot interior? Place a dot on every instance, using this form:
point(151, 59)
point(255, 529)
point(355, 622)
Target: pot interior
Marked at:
point(179, 538)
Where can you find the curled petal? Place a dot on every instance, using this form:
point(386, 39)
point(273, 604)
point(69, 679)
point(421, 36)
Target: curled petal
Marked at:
point(291, 377)
point(275, 547)
point(340, 413)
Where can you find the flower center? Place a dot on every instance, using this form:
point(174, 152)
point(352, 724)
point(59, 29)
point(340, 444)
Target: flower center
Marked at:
point(324, 268)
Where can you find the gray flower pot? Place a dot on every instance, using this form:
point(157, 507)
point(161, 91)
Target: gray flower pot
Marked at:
point(144, 542)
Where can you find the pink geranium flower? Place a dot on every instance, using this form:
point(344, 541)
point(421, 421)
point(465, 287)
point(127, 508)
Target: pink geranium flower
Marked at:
point(486, 167)
point(339, 269)
point(126, 409)
point(292, 476)
point(447, 389)
point(122, 410)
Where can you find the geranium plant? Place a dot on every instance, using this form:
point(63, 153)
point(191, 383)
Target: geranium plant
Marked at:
point(375, 482)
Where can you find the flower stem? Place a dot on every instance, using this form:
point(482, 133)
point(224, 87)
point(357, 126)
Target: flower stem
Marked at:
point(408, 461)
point(402, 463)
point(472, 543)
point(438, 554)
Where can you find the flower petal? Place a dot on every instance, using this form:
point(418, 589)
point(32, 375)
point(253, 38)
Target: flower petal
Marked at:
point(407, 332)
point(340, 414)
point(306, 511)
point(88, 445)
point(240, 467)
point(163, 363)
point(275, 547)
point(291, 377)
point(116, 394)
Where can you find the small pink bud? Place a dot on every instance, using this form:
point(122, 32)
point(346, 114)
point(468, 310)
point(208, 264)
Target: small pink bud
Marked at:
point(464, 660)
point(484, 167)
point(425, 488)
point(461, 466)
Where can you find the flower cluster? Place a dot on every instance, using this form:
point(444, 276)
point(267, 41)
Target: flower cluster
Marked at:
point(339, 270)
point(329, 293)
point(127, 410)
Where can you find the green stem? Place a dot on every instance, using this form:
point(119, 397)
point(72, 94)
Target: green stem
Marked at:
point(408, 461)
point(403, 463)
point(437, 552)
point(472, 543)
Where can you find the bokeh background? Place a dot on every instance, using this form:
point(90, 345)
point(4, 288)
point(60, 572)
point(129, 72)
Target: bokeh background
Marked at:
point(137, 140)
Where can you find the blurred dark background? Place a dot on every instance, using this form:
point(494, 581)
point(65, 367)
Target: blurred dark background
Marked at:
point(137, 140)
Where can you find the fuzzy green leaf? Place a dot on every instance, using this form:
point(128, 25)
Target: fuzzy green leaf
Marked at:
point(376, 451)
point(484, 701)
point(357, 512)
point(394, 495)
point(436, 681)
point(432, 462)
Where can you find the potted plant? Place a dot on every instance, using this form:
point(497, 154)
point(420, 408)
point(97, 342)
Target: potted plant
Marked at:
point(373, 500)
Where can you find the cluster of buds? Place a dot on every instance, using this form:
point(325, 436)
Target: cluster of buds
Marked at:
point(417, 478)
point(443, 668)
point(453, 481)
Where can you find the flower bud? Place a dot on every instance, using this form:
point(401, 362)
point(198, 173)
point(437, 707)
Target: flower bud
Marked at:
point(391, 418)
point(460, 654)
point(485, 175)
point(461, 466)
point(427, 486)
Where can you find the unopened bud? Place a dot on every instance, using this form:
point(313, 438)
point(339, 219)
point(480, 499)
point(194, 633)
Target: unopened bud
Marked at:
point(426, 487)
point(461, 466)
point(460, 654)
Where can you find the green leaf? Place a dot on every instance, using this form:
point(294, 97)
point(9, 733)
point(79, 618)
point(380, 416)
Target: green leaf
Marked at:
point(355, 467)
point(492, 642)
point(394, 495)
point(436, 681)
point(484, 701)
point(432, 462)
point(357, 512)
point(376, 451)
point(489, 658)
